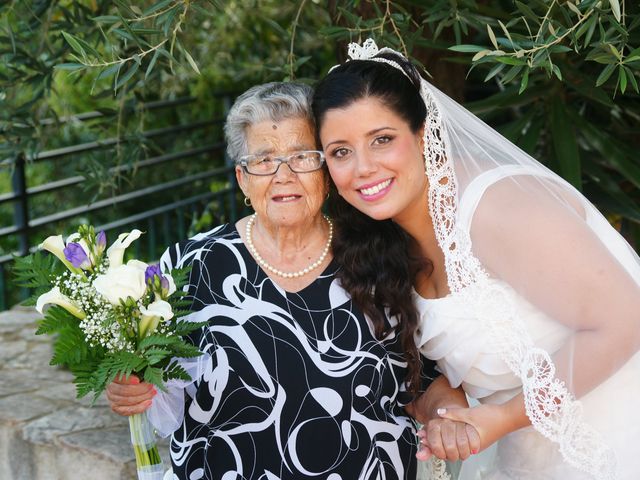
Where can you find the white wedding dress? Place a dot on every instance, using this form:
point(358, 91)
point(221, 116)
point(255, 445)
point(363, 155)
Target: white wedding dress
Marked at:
point(451, 334)
point(545, 299)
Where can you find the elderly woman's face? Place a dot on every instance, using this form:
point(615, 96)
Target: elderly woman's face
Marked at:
point(285, 198)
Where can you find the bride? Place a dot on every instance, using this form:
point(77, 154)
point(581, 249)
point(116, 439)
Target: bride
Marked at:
point(529, 299)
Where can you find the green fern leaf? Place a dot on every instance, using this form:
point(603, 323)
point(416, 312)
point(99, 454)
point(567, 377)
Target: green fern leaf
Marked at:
point(154, 356)
point(175, 371)
point(153, 375)
point(186, 350)
point(83, 374)
point(120, 363)
point(184, 328)
point(70, 347)
point(180, 277)
point(36, 272)
point(56, 319)
point(154, 341)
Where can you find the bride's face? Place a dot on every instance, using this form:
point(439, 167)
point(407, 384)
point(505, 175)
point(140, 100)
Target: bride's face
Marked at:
point(374, 159)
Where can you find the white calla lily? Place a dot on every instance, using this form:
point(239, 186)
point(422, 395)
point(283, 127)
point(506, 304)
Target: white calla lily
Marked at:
point(160, 308)
point(115, 252)
point(56, 297)
point(151, 316)
point(122, 282)
point(55, 244)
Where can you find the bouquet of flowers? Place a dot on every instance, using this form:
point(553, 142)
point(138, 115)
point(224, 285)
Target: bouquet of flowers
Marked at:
point(110, 319)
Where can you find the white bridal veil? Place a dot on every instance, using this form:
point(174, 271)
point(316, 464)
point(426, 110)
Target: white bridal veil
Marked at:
point(512, 230)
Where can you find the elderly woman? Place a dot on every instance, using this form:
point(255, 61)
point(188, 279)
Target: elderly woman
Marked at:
point(294, 380)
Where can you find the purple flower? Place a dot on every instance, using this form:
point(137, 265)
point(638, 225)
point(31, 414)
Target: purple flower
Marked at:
point(76, 255)
point(164, 283)
point(101, 240)
point(151, 273)
point(158, 282)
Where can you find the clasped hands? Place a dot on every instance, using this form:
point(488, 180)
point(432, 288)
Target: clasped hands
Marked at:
point(451, 430)
point(457, 433)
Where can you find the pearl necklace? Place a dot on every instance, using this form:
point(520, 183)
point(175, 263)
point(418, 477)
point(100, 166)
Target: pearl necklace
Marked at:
point(276, 271)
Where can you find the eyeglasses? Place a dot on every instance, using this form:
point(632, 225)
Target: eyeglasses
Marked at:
point(299, 162)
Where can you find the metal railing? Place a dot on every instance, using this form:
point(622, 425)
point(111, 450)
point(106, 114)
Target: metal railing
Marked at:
point(164, 209)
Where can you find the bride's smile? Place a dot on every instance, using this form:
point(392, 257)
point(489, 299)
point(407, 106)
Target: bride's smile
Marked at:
point(376, 162)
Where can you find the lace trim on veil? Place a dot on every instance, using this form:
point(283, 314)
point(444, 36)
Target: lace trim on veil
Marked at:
point(552, 409)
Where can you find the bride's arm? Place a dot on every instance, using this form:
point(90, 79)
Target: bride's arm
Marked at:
point(545, 251)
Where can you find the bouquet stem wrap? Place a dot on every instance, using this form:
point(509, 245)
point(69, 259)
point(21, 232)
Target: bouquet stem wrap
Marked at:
point(148, 461)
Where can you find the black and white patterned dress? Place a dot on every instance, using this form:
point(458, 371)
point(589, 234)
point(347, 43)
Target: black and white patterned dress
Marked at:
point(296, 387)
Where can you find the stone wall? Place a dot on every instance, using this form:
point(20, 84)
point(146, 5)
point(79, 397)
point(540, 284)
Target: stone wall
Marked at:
point(45, 432)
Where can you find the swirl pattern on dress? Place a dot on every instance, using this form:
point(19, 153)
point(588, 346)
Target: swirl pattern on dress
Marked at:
point(296, 386)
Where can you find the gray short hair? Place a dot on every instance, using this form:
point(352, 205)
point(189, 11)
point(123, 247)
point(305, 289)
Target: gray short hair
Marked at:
point(273, 101)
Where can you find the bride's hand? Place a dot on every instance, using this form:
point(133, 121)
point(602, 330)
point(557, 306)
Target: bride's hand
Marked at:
point(448, 440)
point(130, 396)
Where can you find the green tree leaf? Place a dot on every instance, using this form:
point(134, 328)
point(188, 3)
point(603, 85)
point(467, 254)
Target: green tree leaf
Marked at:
point(615, 9)
point(467, 48)
point(622, 78)
point(121, 80)
point(605, 74)
point(492, 37)
point(632, 78)
point(156, 7)
point(69, 66)
point(191, 62)
point(524, 82)
point(75, 44)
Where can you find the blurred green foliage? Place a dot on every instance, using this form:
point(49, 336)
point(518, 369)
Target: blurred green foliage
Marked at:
point(559, 78)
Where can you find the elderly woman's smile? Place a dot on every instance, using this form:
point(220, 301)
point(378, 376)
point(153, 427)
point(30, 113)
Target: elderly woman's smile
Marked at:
point(285, 198)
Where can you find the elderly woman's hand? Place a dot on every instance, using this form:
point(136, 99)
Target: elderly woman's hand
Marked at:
point(448, 440)
point(128, 396)
point(490, 422)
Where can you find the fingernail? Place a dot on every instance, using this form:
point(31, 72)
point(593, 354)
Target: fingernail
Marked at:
point(441, 411)
point(473, 452)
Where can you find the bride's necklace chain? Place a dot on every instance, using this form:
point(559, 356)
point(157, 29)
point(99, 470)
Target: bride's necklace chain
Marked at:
point(280, 273)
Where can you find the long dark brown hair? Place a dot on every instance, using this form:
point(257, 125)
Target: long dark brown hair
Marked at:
point(377, 267)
